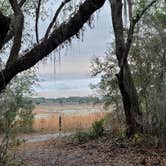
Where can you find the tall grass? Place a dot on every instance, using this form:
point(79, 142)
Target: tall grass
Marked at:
point(70, 123)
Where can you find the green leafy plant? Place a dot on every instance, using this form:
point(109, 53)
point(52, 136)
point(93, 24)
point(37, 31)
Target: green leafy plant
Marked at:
point(97, 129)
point(138, 138)
point(82, 136)
point(15, 115)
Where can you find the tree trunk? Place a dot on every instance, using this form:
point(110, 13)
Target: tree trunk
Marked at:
point(125, 81)
point(130, 101)
point(4, 27)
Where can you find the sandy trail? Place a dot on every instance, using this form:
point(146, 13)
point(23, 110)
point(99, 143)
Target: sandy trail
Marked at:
point(42, 137)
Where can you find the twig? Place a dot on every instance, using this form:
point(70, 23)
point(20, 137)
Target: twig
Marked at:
point(21, 3)
point(37, 19)
point(130, 8)
point(55, 18)
point(134, 21)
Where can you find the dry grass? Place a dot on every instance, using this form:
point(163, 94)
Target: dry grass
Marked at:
point(70, 122)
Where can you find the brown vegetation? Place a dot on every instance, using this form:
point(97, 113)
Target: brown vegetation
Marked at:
point(78, 120)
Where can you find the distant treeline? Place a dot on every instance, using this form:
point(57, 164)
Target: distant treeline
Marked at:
point(63, 100)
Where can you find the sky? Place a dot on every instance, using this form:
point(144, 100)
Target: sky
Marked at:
point(70, 75)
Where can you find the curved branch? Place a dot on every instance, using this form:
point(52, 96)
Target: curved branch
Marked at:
point(64, 32)
point(37, 19)
point(22, 2)
point(9, 32)
point(4, 28)
point(55, 17)
point(134, 21)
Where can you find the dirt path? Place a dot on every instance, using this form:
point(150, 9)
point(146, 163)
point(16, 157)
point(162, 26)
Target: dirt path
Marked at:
point(36, 138)
point(101, 152)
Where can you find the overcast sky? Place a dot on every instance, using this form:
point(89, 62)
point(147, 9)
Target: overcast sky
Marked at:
point(71, 78)
point(76, 58)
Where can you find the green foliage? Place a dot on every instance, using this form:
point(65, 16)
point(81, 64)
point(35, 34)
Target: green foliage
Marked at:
point(63, 100)
point(96, 131)
point(108, 86)
point(16, 114)
point(15, 110)
point(26, 121)
point(147, 62)
point(82, 136)
point(137, 138)
point(148, 53)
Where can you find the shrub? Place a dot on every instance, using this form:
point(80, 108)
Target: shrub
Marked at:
point(95, 132)
point(97, 129)
point(15, 114)
point(82, 136)
point(137, 138)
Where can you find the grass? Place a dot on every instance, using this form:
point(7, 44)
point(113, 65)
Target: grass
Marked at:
point(70, 122)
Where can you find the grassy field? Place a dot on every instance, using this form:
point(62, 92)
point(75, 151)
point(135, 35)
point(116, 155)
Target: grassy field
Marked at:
point(74, 117)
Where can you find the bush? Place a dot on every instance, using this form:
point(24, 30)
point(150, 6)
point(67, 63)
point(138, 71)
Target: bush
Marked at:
point(95, 132)
point(97, 129)
point(15, 114)
point(82, 136)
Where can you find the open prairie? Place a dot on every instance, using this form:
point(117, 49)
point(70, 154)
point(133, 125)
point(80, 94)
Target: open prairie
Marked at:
point(73, 117)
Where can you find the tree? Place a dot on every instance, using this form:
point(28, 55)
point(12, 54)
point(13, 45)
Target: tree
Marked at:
point(54, 37)
point(122, 46)
point(146, 65)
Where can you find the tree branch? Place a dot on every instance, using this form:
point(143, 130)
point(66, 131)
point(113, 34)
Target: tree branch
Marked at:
point(4, 27)
point(130, 8)
point(116, 10)
point(18, 28)
point(55, 17)
point(37, 19)
point(21, 3)
point(139, 16)
point(64, 32)
point(134, 21)
point(10, 33)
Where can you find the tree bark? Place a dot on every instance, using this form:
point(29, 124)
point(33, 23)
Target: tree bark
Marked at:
point(130, 100)
point(4, 27)
point(125, 81)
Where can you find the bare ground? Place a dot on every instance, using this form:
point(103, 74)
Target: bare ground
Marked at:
point(106, 151)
